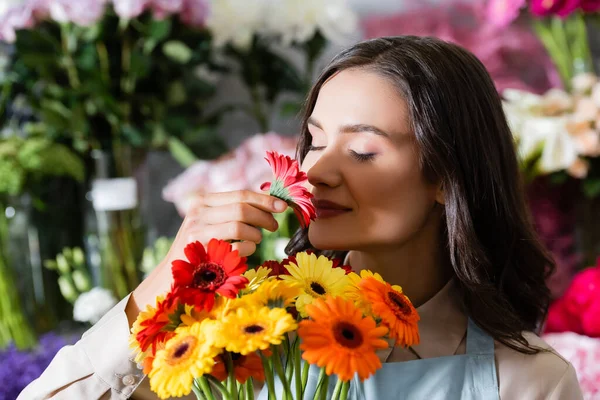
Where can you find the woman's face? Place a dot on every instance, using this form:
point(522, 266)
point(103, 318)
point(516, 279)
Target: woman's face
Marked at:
point(365, 160)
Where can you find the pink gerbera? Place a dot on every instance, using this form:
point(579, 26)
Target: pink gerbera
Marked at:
point(288, 185)
point(207, 273)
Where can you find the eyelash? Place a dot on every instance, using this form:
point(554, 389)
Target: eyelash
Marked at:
point(360, 157)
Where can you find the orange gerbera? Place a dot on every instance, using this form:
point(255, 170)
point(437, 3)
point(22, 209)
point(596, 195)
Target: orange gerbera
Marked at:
point(244, 367)
point(288, 185)
point(340, 339)
point(395, 310)
point(207, 273)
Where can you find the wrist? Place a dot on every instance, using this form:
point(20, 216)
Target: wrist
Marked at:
point(145, 294)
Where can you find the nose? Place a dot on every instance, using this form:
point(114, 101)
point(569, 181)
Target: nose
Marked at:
point(325, 171)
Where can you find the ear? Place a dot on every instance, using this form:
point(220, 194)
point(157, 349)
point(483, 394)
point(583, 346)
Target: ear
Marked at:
point(440, 196)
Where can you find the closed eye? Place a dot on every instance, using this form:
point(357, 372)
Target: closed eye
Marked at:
point(315, 148)
point(362, 157)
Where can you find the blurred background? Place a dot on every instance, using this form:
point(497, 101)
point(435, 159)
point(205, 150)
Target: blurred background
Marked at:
point(114, 113)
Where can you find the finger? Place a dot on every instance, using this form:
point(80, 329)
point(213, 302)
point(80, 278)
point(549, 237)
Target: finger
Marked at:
point(245, 249)
point(228, 231)
point(242, 212)
point(260, 200)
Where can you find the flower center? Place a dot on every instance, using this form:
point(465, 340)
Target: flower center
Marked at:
point(253, 329)
point(317, 288)
point(399, 302)
point(208, 276)
point(181, 350)
point(347, 335)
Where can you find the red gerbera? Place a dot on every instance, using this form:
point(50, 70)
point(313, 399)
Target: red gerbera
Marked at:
point(155, 325)
point(288, 186)
point(277, 268)
point(207, 273)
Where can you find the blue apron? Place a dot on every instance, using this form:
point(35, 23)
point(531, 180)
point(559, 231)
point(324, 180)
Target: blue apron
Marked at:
point(470, 376)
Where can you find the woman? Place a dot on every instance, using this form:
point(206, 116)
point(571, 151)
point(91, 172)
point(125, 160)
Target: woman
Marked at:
point(413, 169)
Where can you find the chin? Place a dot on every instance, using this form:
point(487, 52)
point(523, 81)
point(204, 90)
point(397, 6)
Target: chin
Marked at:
point(325, 236)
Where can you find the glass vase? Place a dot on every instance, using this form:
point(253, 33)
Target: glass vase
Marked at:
point(115, 232)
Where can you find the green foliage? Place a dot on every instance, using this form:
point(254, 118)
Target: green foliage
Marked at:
point(28, 161)
point(74, 277)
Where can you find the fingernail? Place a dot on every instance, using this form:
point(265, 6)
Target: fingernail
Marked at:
point(280, 205)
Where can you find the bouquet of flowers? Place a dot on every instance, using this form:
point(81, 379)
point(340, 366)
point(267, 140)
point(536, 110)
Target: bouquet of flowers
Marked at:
point(221, 326)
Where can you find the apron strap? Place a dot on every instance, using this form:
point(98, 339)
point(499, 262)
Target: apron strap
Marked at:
point(478, 341)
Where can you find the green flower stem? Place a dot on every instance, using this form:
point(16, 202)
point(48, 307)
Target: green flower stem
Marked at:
point(345, 390)
point(224, 392)
point(197, 390)
point(553, 50)
point(337, 390)
point(322, 385)
point(305, 370)
point(297, 365)
point(558, 31)
point(287, 392)
point(269, 380)
point(231, 382)
point(104, 61)
point(249, 389)
point(69, 63)
point(13, 324)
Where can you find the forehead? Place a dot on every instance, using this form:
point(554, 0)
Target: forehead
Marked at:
point(358, 96)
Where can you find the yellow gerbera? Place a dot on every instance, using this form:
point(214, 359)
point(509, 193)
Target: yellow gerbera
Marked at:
point(317, 278)
point(274, 294)
point(255, 278)
point(190, 353)
point(354, 291)
point(254, 328)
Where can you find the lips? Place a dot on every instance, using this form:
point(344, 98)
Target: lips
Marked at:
point(328, 209)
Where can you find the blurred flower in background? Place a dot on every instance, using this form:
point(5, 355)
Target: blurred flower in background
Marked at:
point(91, 306)
point(243, 168)
point(501, 49)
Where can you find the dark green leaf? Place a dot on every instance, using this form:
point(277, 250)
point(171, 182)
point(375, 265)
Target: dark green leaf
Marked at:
point(591, 187)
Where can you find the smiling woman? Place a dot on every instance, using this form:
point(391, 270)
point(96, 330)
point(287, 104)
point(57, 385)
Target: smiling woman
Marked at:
point(414, 175)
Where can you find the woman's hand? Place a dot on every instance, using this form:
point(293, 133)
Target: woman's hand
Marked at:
point(236, 216)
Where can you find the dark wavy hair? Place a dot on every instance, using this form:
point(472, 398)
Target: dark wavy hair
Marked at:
point(465, 143)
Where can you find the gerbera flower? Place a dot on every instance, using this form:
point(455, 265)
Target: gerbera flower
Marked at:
point(254, 328)
point(244, 367)
point(207, 273)
point(154, 325)
point(190, 353)
point(287, 185)
point(340, 339)
point(317, 277)
point(395, 310)
point(274, 294)
point(277, 268)
point(354, 292)
point(255, 277)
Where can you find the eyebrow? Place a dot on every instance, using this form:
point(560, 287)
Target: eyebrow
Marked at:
point(351, 128)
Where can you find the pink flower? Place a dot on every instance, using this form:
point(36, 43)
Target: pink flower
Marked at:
point(129, 9)
point(81, 12)
point(23, 16)
point(562, 8)
point(584, 290)
point(590, 6)
point(288, 185)
point(561, 319)
point(243, 168)
point(513, 55)
point(584, 354)
point(194, 12)
point(502, 12)
point(590, 318)
point(163, 8)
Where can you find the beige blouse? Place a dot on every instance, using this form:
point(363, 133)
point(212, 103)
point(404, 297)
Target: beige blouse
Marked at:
point(100, 366)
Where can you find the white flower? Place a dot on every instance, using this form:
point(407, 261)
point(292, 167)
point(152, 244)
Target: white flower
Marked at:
point(298, 21)
point(534, 131)
point(236, 21)
point(92, 305)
